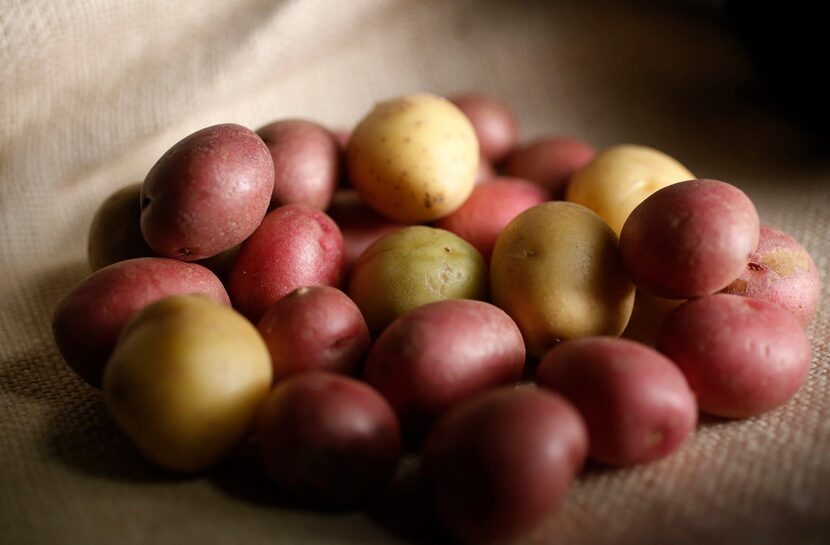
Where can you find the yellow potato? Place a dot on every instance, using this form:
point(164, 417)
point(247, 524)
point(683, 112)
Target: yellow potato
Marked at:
point(186, 380)
point(556, 271)
point(620, 178)
point(414, 159)
point(648, 316)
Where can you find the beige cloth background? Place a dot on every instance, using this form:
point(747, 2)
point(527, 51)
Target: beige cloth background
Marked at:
point(92, 92)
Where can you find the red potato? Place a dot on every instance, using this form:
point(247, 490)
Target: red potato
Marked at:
point(207, 193)
point(689, 239)
point(115, 232)
point(442, 353)
point(494, 122)
point(635, 401)
point(314, 328)
point(485, 171)
point(489, 209)
point(296, 246)
point(88, 321)
point(327, 439)
point(549, 162)
point(502, 462)
point(781, 271)
point(306, 162)
point(741, 356)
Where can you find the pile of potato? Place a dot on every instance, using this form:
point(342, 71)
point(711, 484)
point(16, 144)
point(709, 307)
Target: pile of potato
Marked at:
point(215, 313)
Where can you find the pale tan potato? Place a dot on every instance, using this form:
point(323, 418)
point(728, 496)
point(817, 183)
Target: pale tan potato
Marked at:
point(185, 381)
point(414, 159)
point(620, 178)
point(648, 316)
point(556, 271)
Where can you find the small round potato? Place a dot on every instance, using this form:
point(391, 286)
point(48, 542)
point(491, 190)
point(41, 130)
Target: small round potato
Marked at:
point(550, 162)
point(620, 178)
point(411, 267)
point(494, 122)
point(186, 380)
point(414, 159)
point(648, 316)
point(556, 271)
point(115, 232)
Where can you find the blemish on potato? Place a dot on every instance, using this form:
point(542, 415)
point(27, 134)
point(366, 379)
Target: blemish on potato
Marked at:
point(785, 262)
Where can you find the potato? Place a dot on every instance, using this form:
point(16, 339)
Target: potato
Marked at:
point(327, 440)
point(689, 239)
point(780, 271)
point(207, 193)
point(741, 356)
point(485, 171)
point(411, 267)
point(549, 162)
point(494, 122)
point(556, 271)
point(414, 159)
point(648, 316)
point(314, 328)
point(491, 206)
point(635, 402)
point(115, 232)
point(620, 178)
point(306, 162)
point(441, 354)
point(185, 381)
point(296, 246)
point(502, 462)
point(87, 322)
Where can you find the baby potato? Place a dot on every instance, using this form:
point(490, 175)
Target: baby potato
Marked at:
point(620, 178)
point(185, 381)
point(411, 267)
point(414, 159)
point(556, 271)
point(495, 124)
point(648, 316)
point(115, 232)
point(550, 162)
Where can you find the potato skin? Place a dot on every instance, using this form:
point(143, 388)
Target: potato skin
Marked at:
point(780, 271)
point(411, 267)
point(414, 159)
point(207, 193)
point(327, 440)
point(186, 380)
point(648, 316)
point(115, 232)
point(494, 122)
point(550, 162)
point(741, 356)
point(620, 178)
point(556, 271)
point(87, 322)
point(635, 402)
point(689, 239)
point(314, 328)
point(441, 354)
point(500, 463)
point(295, 246)
point(491, 206)
point(306, 162)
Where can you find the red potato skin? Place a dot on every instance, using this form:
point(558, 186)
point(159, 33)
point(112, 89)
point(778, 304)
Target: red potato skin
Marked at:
point(485, 171)
point(87, 322)
point(549, 162)
point(307, 162)
point(326, 439)
point(442, 353)
point(741, 356)
point(314, 328)
point(207, 193)
point(635, 402)
point(781, 271)
point(295, 246)
point(500, 463)
point(488, 210)
point(689, 239)
point(494, 123)
point(115, 232)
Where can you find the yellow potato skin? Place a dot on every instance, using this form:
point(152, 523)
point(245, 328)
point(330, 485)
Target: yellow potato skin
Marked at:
point(620, 178)
point(414, 159)
point(186, 380)
point(556, 271)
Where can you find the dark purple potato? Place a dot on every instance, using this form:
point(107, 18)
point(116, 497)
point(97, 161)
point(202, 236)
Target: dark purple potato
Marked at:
point(115, 233)
point(494, 122)
point(327, 440)
point(207, 194)
point(549, 162)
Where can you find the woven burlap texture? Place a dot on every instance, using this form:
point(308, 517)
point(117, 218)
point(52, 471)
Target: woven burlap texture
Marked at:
point(93, 91)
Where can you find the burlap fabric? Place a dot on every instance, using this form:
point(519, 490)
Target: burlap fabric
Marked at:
point(92, 92)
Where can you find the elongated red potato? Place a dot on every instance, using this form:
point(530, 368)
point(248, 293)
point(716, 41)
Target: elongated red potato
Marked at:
point(494, 122)
point(550, 162)
point(635, 401)
point(500, 463)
